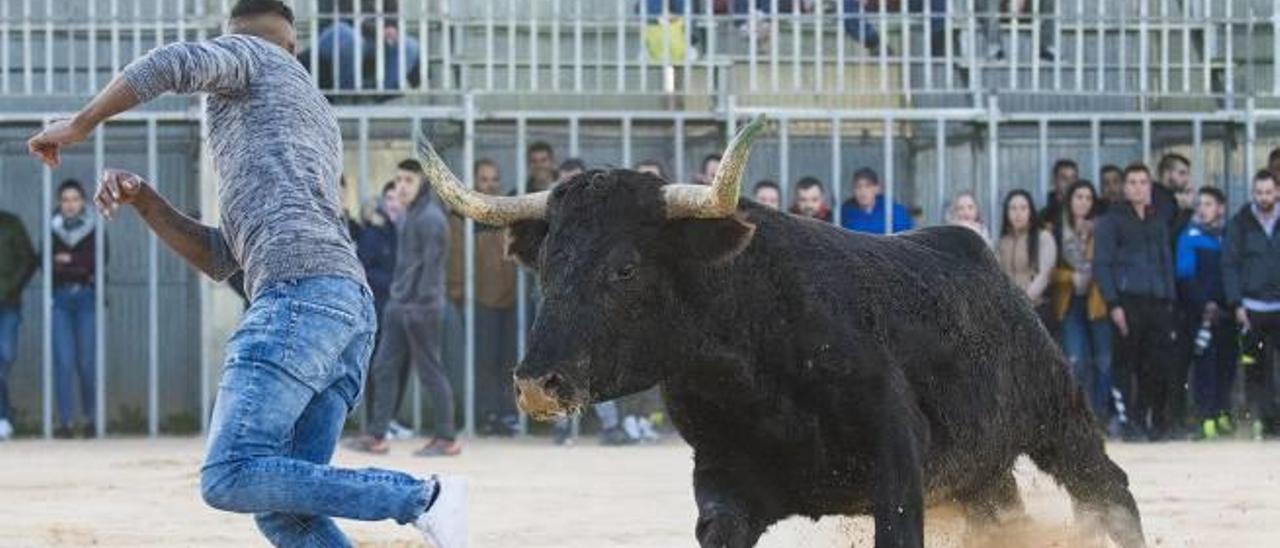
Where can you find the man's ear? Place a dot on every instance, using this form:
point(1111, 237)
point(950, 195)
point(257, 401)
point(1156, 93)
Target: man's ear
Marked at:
point(524, 242)
point(708, 240)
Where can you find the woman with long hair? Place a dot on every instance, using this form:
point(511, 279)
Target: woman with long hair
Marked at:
point(1026, 251)
point(1077, 302)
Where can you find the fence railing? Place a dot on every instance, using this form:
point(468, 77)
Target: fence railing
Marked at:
point(381, 49)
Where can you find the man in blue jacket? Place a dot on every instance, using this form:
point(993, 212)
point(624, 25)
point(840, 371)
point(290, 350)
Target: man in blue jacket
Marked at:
point(865, 212)
point(1199, 274)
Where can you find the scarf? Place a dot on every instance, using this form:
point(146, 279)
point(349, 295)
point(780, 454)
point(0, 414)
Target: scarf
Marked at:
point(75, 229)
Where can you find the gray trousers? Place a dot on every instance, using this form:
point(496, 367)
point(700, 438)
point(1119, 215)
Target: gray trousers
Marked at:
point(411, 334)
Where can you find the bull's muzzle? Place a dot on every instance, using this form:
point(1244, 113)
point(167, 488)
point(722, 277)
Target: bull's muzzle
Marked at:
point(538, 398)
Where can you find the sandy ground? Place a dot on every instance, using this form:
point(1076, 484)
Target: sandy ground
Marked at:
point(530, 494)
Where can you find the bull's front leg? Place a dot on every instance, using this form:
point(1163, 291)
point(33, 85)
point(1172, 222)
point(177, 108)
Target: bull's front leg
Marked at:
point(898, 479)
point(725, 517)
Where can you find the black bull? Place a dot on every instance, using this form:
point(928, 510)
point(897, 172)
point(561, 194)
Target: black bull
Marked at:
point(814, 371)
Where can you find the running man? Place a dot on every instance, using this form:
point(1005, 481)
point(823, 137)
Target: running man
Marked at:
point(295, 366)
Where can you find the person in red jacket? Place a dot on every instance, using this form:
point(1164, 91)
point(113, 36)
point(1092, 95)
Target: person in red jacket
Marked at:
point(74, 316)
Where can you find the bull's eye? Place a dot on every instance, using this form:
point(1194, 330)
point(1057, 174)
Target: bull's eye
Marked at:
point(624, 273)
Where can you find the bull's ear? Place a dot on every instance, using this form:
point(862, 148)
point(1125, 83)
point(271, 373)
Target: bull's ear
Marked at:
point(524, 242)
point(709, 240)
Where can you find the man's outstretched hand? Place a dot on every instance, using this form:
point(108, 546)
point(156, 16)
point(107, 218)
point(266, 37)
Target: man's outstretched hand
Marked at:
point(116, 188)
point(47, 145)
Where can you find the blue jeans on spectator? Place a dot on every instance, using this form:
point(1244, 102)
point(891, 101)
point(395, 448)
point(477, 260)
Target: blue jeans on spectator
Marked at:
point(1087, 344)
point(10, 318)
point(294, 369)
point(74, 321)
point(860, 24)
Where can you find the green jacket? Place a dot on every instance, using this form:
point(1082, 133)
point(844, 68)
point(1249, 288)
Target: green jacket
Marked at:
point(17, 259)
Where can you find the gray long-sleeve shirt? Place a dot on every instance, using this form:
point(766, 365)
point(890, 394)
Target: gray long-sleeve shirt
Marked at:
point(277, 150)
point(422, 248)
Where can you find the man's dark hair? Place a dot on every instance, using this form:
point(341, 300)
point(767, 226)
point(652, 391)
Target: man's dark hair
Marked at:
point(1215, 192)
point(573, 164)
point(483, 162)
point(1110, 168)
point(866, 174)
point(1263, 175)
point(766, 183)
point(410, 165)
point(541, 146)
point(662, 170)
point(1167, 161)
point(390, 186)
point(246, 8)
point(807, 183)
point(1136, 167)
point(72, 184)
point(1064, 163)
point(708, 159)
point(1275, 155)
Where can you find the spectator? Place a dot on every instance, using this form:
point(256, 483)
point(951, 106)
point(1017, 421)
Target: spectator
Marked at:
point(988, 13)
point(337, 54)
point(811, 200)
point(964, 211)
point(1133, 265)
point(860, 17)
point(541, 162)
point(768, 193)
point(710, 165)
point(17, 263)
point(570, 168)
point(495, 299)
point(1273, 162)
point(866, 212)
point(74, 313)
point(353, 225)
point(1078, 305)
point(1251, 276)
point(1173, 195)
point(376, 248)
point(1065, 174)
point(1199, 275)
point(1112, 187)
point(1026, 250)
point(653, 167)
point(411, 321)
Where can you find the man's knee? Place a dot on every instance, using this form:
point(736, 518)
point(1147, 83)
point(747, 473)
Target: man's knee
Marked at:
point(219, 488)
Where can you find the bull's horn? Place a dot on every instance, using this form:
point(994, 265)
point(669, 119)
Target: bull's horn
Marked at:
point(490, 210)
point(721, 198)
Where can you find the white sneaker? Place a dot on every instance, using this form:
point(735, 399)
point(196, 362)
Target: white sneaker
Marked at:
point(397, 431)
point(444, 525)
point(6, 430)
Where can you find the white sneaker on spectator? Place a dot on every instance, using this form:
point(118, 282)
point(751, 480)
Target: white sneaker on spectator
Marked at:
point(444, 524)
point(631, 425)
point(6, 430)
point(397, 431)
point(648, 434)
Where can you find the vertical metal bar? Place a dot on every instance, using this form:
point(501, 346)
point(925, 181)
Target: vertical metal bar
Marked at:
point(137, 28)
point(71, 56)
point(153, 295)
point(424, 46)
point(99, 299)
point(906, 47)
point(469, 250)
point(796, 31)
point(678, 129)
point(379, 48)
point(522, 276)
point(1056, 44)
point(574, 136)
point(206, 399)
point(48, 49)
point(773, 45)
point(402, 81)
point(1197, 150)
point(837, 184)
point(1275, 43)
point(362, 182)
point(1101, 43)
point(840, 41)
point(1122, 49)
point(488, 46)
point(511, 45)
point(446, 50)
point(687, 61)
point(1186, 47)
point(336, 53)
point(889, 179)
point(415, 390)
point(753, 26)
point(993, 158)
point(644, 53)
point(927, 50)
point(1146, 141)
point(1095, 144)
point(1230, 57)
point(626, 142)
point(709, 20)
point(1144, 45)
point(1164, 46)
point(621, 44)
point(577, 46)
point(313, 39)
point(26, 47)
point(1210, 36)
point(1037, 44)
point(784, 161)
point(159, 23)
point(358, 20)
point(1042, 140)
point(975, 82)
point(4, 47)
point(1080, 45)
point(949, 59)
point(555, 45)
point(1250, 140)
point(46, 292)
point(533, 49)
point(940, 166)
point(882, 19)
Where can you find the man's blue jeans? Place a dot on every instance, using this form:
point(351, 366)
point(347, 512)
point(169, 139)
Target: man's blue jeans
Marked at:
point(10, 318)
point(74, 342)
point(293, 371)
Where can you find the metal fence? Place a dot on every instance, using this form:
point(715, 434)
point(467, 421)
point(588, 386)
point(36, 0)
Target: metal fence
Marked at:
point(161, 365)
point(384, 49)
